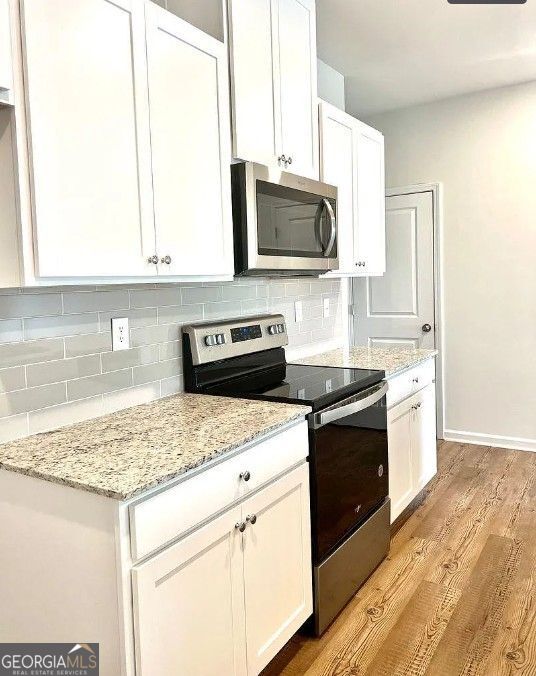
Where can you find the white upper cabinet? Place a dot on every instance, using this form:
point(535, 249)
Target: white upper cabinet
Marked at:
point(6, 67)
point(352, 158)
point(274, 88)
point(338, 167)
point(369, 238)
point(86, 96)
point(296, 26)
point(190, 141)
point(253, 49)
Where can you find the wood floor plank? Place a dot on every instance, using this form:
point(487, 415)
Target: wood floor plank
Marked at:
point(412, 641)
point(468, 639)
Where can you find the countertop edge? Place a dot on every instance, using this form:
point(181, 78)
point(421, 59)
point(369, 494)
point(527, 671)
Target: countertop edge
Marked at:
point(402, 369)
point(166, 479)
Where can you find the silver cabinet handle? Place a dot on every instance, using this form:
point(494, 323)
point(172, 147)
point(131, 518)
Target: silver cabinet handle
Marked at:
point(289, 161)
point(252, 519)
point(166, 260)
point(153, 259)
point(282, 159)
point(246, 476)
point(241, 526)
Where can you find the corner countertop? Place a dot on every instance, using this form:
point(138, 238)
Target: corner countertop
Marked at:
point(123, 454)
point(391, 360)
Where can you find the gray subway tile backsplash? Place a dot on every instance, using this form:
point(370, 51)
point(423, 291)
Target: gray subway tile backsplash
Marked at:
point(11, 330)
point(56, 363)
point(64, 369)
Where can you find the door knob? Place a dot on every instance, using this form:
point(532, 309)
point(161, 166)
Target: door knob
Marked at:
point(241, 526)
point(426, 328)
point(246, 476)
point(166, 260)
point(252, 518)
point(282, 159)
point(153, 259)
point(289, 161)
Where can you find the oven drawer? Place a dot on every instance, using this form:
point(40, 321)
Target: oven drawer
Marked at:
point(409, 382)
point(165, 516)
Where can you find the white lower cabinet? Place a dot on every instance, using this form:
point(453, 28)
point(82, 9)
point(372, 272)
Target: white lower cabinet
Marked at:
point(225, 600)
point(411, 429)
point(6, 73)
point(277, 566)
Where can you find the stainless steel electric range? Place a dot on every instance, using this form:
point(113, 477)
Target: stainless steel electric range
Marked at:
point(350, 509)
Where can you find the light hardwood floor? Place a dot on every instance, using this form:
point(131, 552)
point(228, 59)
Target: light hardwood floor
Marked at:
point(457, 594)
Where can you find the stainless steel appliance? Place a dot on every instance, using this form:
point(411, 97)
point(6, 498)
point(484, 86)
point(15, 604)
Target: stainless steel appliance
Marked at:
point(350, 509)
point(283, 224)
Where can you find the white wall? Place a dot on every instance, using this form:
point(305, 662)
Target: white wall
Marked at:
point(330, 84)
point(482, 147)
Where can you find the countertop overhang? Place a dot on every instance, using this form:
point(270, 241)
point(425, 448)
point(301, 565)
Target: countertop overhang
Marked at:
point(127, 453)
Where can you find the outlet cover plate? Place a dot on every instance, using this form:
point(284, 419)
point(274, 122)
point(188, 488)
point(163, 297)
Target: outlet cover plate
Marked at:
point(298, 309)
point(120, 334)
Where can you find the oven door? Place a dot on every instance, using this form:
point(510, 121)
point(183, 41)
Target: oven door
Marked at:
point(290, 222)
point(349, 466)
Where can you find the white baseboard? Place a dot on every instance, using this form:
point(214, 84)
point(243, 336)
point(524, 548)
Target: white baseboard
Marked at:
point(303, 351)
point(516, 443)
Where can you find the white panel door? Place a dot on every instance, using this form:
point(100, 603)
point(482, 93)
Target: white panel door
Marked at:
point(398, 308)
point(399, 432)
point(277, 566)
point(296, 38)
point(424, 442)
point(190, 141)
point(338, 167)
point(188, 605)
point(6, 72)
point(369, 240)
point(252, 46)
point(86, 92)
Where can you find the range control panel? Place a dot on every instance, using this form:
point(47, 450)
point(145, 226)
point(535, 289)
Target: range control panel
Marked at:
point(213, 341)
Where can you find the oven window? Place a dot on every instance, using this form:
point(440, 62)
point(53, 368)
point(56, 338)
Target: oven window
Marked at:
point(293, 223)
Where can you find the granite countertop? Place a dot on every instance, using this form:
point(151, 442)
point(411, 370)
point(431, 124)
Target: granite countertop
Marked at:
point(126, 453)
point(391, 360)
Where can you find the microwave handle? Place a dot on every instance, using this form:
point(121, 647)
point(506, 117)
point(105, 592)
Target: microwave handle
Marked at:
point(325, 204)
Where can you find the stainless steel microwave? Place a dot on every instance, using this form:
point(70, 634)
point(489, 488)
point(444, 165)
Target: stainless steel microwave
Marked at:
point(283, 224)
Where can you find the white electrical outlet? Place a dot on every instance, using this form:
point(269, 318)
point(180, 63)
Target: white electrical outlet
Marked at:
point(326, 307)
point(120, 334)
point(298, 309)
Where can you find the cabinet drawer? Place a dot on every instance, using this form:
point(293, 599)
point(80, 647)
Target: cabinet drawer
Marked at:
point(410, 381)
point(163, 517)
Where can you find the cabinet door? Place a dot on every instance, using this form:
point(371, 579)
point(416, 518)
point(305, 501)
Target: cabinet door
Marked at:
point(369, 240)
point(252, 48)
point(296, 39)
point(424, 442)
point(188, 605)
point(86, 94)
point(277, 566)
point(6, 73)
point(338, 167)
point(399, 426)
point(190, 141)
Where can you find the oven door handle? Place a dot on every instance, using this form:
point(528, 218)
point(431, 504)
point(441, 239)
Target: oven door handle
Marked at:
point(348, 407)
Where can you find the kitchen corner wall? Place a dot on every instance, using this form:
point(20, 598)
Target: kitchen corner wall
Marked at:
point(56, 363)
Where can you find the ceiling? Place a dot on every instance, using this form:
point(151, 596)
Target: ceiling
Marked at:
point(397, 53)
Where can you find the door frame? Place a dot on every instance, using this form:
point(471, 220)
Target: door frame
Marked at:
point(436, 188)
